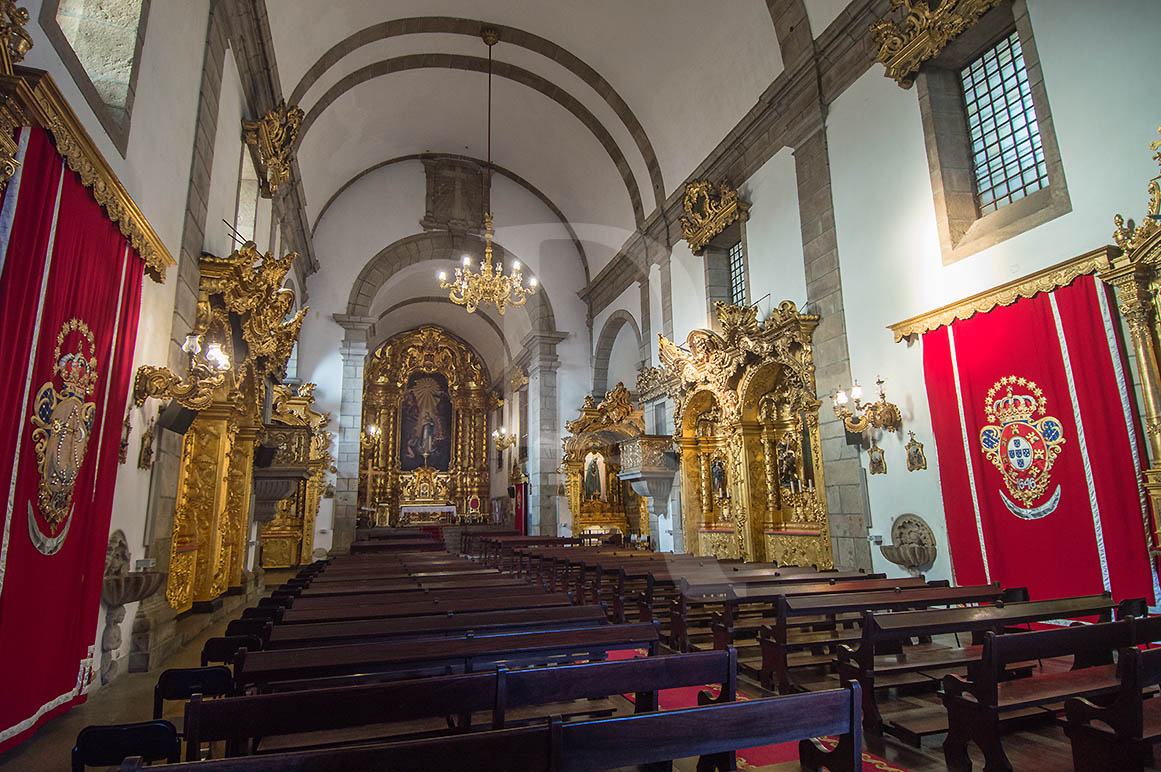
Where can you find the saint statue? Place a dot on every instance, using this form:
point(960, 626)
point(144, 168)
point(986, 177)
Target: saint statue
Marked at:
point(593, 477)
point(718, 475)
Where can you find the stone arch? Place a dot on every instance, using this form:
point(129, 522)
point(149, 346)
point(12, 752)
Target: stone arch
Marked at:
point(433, 245)
point(792, 27)
point(535, 191)
point(502, 70)
point(376, 336)
point(617, 320)
point(508, 35)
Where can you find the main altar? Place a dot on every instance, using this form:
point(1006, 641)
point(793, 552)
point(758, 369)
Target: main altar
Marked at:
point(423, 455)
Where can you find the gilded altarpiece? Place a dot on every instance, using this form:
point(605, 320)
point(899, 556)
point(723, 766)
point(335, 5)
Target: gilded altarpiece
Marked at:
point(597, 498)
point(300, 435)
point(242, 308)
point(746, 425)
point(425, 393)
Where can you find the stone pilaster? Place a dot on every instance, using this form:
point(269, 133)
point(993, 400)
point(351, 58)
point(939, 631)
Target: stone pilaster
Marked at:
point(538, 358)
point(645, 354)
point(354, 354)
point(841, 466)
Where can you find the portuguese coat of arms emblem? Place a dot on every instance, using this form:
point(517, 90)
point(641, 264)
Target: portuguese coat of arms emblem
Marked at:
point(1023, 441)
point(64, 423)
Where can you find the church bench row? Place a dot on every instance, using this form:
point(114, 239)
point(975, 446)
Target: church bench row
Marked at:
point(503, 694)
point(408, 584)
point(263, 669)
point(530, 598)
point(331, 633)
point(783, 647)
point(470, 538)
point(712, 732)
point(393, 545)
point(1120, 736)
point(497, 551)
point(977, 705)
point(395, 595)
point(885, 655)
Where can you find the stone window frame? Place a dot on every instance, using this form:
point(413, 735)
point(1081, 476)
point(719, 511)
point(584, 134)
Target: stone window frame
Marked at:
point(118, 133)
point(716, 258)
point(962, 230)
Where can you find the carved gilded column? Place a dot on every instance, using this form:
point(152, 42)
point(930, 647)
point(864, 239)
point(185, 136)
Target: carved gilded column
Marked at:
point(239, 486)
point(211, 466)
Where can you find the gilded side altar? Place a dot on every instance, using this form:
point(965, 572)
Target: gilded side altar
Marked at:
point(746, 426)
point(597, 497)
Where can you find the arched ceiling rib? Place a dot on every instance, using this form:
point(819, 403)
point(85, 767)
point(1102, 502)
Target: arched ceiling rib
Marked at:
point(510, 36)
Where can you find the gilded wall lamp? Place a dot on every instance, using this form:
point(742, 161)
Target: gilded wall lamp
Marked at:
point(503, 440)
point(196, 392)
point(879, 414)
point(491, 285)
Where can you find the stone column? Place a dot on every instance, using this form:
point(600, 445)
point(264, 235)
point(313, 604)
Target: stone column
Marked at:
point(539, 360)
point(644, 352)
point(354, 353)
point(841, 467)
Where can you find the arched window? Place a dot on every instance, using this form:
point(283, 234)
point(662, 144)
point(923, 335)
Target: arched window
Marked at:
point(100, 43)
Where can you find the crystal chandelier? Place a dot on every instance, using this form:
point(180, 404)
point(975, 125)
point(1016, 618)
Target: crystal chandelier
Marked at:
point(491, 285)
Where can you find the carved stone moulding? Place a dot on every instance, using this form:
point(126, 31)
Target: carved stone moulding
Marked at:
point(925, 31)
point(708, 211)
point(912, 545)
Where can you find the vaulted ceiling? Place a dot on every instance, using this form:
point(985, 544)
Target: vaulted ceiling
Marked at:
point(603, 106)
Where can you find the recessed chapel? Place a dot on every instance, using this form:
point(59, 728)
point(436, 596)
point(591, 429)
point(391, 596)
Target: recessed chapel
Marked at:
point(432, 384)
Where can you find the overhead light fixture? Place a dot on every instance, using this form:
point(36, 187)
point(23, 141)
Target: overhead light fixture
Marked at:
point(880, 414)
point(491, 285)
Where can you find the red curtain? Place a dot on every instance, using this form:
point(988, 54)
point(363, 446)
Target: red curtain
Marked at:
point(69, 303)
point(1039, 446)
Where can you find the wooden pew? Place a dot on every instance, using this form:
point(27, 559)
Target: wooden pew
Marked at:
point(461, 654)
point(505, 695)
point(778, 643)
point(499, 581)
point(975, 707)
point(411, 596)
point(884, 656)
point(713, 732)
point(338, 613)
point(1120, 736)
point(394, 545)
point(331, 633)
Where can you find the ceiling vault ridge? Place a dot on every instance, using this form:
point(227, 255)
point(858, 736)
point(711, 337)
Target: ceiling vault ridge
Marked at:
point(500, 69)
point(509, 35)
point(541, 195)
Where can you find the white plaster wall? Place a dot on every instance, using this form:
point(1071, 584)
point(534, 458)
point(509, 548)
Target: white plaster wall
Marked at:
point(688, 285)
point(227, 165)
point(629, 301)
point(822, 12)
point(624, 359)
point(885, 218)
point(774, 234)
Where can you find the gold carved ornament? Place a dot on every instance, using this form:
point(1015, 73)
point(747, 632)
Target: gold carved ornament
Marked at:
point(923, 34)
point(709, 211)
point(518, 380)
point(271, 140)
point(491, 285)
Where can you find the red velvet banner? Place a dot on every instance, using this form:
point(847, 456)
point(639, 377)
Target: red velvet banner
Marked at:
point(69, 303)
point(1039, 446)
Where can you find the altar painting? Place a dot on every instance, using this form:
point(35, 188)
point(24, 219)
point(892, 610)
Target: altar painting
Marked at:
point(595, 479)
point(425, 423)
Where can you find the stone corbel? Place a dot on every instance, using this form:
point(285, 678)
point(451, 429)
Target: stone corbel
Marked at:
point(272, 486)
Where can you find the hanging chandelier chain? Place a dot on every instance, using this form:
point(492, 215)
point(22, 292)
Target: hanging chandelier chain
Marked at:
point(490, 285)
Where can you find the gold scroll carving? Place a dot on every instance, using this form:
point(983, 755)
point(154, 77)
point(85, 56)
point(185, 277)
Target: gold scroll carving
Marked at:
point(1135, 272)
point(401, 454)
point(927, 28)
point(299, 432)
point(746, 422)
point(243, 309)
point(271, 141)
point(597, 497)
point(708, 211)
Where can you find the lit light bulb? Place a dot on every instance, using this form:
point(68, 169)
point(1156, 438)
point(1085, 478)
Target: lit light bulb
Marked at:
point(442, 275)
point(467, 260)
point(532, 282)
point(192, 345)
point(495, 435)
point(841, 397)
point(856, 391)
point(515, 265)
point(217, 357)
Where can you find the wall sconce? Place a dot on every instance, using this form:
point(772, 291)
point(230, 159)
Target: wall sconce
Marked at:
point(196, 391)
point(503, 440)
point(880, 414)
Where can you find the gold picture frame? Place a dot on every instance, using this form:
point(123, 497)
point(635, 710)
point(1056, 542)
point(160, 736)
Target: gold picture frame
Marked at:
point(878, 461)
point(916, 459)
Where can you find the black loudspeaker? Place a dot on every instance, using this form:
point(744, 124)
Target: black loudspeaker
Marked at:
point(175, 418)
point(264, 456)
point(511, 492)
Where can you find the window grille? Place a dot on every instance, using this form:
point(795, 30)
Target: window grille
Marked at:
point(1007, 153)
